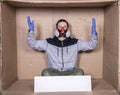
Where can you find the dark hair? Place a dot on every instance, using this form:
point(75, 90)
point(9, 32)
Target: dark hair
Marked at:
point(62, 20)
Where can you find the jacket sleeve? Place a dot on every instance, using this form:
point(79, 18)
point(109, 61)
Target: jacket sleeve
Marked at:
point(90, 45)
point(40, 45)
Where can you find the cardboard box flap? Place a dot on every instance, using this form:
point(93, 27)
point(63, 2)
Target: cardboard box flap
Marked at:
point(59, 3)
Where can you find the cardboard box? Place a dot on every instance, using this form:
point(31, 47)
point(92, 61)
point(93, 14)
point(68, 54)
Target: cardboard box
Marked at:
point(19, 63)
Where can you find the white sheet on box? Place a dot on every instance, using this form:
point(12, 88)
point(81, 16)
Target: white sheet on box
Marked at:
point(62, 83)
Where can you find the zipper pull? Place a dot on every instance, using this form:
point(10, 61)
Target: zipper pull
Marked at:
point(62, 43)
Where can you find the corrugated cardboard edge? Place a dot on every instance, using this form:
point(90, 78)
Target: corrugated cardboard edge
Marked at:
point(119, 48)
point(59, 3)
point(0, 53)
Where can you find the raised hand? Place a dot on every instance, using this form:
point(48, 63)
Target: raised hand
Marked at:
point(94, 26)
point(30, 24)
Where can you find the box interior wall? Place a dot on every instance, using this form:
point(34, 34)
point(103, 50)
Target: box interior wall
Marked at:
point(9, 54)
point(45, 18)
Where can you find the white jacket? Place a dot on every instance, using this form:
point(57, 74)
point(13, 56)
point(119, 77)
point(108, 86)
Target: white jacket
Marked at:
point(62, 55)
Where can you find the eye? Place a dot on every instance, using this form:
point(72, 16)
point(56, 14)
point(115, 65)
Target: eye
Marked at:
point(65, 27)
point(59, 27)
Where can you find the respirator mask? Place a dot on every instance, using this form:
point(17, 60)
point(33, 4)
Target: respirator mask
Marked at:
point(62, 32)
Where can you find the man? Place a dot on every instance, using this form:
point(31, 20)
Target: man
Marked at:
point(61, 50)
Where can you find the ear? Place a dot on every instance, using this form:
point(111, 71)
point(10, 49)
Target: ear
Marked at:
point(57, 33)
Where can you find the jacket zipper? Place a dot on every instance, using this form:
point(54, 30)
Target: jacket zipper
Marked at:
point(62, 56)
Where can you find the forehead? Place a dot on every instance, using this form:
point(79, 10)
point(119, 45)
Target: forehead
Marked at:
point(62, 23)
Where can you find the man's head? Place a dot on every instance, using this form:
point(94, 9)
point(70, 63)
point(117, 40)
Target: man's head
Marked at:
point(62, 28)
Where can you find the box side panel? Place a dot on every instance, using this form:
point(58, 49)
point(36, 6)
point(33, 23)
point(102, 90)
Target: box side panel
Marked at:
point(25, 87)
point(31, 62)
point(9, 52)
point(111, 42)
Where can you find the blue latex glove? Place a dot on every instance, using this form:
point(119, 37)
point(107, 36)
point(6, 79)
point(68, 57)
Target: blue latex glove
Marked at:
point(30, 24)
point(94, 26)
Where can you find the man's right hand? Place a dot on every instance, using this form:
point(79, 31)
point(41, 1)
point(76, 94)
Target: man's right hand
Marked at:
point(94, 26)
point(30, 24)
